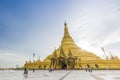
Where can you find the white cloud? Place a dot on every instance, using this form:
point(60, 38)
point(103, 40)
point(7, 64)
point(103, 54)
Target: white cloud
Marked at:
point(97, 26)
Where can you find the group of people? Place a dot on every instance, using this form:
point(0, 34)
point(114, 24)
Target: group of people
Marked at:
point(51, 69)
point(26, 71)
point(88, 69)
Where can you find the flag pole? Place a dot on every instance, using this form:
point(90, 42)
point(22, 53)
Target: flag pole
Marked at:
point(104, 52)
point(106, 57)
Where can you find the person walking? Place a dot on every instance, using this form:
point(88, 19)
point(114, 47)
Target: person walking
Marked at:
point(25, 73)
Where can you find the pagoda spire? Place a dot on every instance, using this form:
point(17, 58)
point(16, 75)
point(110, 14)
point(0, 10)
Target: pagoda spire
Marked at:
point(66, 32)
point(67, 39)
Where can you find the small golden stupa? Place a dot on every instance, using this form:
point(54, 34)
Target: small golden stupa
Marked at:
point(70, 56)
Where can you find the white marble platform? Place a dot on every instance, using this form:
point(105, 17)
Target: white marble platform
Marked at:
point(61, 75)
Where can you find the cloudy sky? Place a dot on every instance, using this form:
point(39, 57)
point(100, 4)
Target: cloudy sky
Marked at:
point(36, 26)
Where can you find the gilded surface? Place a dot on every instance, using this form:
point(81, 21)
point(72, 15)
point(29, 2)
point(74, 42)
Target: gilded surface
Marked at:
point(70, 56)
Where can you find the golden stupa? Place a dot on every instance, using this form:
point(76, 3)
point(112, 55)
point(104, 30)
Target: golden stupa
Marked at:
point(70, 56)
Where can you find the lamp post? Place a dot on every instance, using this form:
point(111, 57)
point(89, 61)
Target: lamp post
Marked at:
point(33, 62)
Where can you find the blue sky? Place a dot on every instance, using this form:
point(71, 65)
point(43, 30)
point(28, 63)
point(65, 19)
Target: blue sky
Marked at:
point(36, 26)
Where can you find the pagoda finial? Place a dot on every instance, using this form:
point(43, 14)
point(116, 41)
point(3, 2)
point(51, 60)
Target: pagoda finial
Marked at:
point(66, 33)
point(65, 23)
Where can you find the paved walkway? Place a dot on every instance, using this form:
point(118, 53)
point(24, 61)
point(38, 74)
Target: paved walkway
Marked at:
point(61, 75)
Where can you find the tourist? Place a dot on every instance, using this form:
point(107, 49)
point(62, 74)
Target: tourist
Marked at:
point(25, 73)
point(90, 69)
point(86, 69)
point(51, 69)
point(33, 70)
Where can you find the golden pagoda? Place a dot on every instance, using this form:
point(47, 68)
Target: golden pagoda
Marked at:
point(70, 56)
